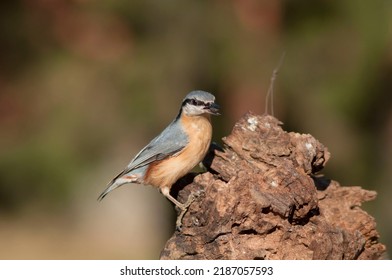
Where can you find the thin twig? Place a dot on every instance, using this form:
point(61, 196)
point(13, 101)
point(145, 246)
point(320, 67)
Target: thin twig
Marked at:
point(270, 93)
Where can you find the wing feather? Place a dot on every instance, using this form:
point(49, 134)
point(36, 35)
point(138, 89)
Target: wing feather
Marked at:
point(171, 141)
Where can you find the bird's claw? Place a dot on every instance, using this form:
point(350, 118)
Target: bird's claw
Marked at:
point(191, 198)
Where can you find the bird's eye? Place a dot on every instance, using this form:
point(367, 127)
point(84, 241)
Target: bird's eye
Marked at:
point(193, 102)
point(196, 102)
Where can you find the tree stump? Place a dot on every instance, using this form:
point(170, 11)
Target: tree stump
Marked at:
point(261, 199)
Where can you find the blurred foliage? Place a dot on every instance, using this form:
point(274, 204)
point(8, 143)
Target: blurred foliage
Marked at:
point(82, 82)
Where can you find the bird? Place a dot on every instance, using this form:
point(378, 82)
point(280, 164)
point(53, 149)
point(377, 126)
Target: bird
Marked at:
point(174, 152)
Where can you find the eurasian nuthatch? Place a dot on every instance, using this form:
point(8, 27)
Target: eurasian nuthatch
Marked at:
point(174, 152)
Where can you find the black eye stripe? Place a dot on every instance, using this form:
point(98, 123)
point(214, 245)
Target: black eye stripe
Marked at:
point(195, 102)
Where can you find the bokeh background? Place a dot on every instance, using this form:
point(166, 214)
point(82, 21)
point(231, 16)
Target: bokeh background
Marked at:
point(84, 85)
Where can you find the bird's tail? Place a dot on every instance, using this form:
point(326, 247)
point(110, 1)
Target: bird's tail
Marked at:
point(115, 183)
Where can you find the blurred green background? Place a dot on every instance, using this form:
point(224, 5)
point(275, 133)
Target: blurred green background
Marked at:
point(84, 85)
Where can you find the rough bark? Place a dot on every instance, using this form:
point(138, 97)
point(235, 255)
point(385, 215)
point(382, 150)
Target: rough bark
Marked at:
point(261, 199)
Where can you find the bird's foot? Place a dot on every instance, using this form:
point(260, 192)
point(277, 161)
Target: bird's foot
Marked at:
point(184, 207)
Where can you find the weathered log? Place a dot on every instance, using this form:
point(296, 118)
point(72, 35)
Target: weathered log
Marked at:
point(262, 199)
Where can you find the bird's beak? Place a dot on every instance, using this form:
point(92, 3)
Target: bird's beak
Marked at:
point(213, 109)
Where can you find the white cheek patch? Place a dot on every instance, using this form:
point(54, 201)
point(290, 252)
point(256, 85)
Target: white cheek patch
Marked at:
point(193, 110)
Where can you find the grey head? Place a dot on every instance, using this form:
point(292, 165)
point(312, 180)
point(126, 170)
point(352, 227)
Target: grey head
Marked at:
point(199, 102)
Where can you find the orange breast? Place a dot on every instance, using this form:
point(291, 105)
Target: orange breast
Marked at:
point(166, 172)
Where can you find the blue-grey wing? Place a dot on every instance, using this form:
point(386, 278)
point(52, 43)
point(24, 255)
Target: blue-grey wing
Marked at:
point(172, 140)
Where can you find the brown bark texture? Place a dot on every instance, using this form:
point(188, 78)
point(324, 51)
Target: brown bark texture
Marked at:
point(261, 199)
